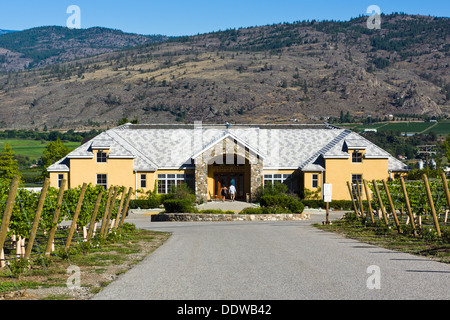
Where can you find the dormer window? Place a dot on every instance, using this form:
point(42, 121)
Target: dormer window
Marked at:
point(357, 157)
point(101, 156)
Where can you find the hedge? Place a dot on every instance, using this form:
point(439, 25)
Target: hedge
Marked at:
point(336, 204)
point(144, 204)
point(178, 206)
point(282, 201)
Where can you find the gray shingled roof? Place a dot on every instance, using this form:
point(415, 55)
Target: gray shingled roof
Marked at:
point(154, 147)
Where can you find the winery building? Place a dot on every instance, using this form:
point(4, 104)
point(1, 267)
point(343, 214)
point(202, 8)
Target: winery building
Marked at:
point(206, 157)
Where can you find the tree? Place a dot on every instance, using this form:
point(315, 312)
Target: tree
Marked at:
point(446, 147)
point(53, 152)
point(8, 165)
point(125, 120)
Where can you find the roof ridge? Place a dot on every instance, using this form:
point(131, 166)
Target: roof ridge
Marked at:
point(134, 150)
point(327, 147)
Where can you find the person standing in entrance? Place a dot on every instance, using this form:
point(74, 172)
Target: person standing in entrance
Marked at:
point(232, 192)
point(223, 193)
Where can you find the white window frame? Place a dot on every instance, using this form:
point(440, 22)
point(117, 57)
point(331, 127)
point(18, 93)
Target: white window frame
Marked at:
point(60, 179)
point(105, 184)
point(356, 158)
point(100, 158)
point(277, 177)
point(165, 181)
point(143, 180)
point(357, 181)
point(315, 178)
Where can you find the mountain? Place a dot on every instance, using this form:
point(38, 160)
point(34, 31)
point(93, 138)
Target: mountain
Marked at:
point(306, 70)
point(2, 31)
point(48, 45)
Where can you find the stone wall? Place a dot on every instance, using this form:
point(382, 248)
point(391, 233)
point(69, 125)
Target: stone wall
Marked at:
point(191, 217)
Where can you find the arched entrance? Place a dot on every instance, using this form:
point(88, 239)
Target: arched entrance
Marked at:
point(225, 163)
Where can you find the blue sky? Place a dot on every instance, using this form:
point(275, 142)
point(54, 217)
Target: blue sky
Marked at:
point(187, 17)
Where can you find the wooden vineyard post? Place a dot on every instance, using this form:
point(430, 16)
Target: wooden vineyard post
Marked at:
point(94, 216)
point(359, 193)
point(105, 230)
point(408, 207)
point(391, 204)
point(110, 193)
point(383, 210)
point(447, 195)
point(355, 193)
point(366, 188)
point(350, 190)
point(430, 200)
point(75, 217)
point(37, 216)
point(8, 210)
point(116, 222)
point(125, 209)
point(51, 235)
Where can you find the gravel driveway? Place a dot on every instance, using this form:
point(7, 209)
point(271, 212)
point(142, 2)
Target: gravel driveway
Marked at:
point(273, 260)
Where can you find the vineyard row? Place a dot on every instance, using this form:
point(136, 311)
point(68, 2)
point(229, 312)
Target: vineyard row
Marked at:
point(412, 202)
point(27, 215)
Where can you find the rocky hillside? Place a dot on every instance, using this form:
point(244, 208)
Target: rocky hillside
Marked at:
point(306, 71)
point(53, 44)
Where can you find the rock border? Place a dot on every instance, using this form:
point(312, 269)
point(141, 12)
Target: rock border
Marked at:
point(192, 217)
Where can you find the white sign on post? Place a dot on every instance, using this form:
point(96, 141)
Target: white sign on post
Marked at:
point(327, 191)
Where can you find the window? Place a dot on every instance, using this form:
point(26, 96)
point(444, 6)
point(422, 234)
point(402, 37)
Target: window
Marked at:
point(143, 181)
point(167, 181)
point(315, 180)
point(102, 180)
point(101, 157)
point(60, 178)
point(270, 179)
point(356, 157)
point(357, 181)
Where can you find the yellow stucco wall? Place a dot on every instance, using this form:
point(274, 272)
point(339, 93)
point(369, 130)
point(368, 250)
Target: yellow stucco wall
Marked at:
point(308, 183)
point(339, 171)
point(54, 179)
point(120, 172)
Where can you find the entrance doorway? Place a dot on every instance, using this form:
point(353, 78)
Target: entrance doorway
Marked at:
point(230, 178)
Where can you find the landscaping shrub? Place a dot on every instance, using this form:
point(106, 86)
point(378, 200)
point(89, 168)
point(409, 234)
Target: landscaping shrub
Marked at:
point(313, 203)
point(216, 211)
point(181, 192)
point(252, 210)
point(265, 210)
point(282, 201)
point(336, 204)
point(145, 204)
point(178, 206)
point(272, 190)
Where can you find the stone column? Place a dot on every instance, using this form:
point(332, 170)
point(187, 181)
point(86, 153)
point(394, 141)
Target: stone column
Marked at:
point(201, 178)
point(256, 174)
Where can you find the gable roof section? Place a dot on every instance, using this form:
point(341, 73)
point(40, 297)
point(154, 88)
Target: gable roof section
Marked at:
point(234, 137)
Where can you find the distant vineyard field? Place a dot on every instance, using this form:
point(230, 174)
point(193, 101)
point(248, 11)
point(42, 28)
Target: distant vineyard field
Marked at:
point(440, 128)
point(31, 148)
